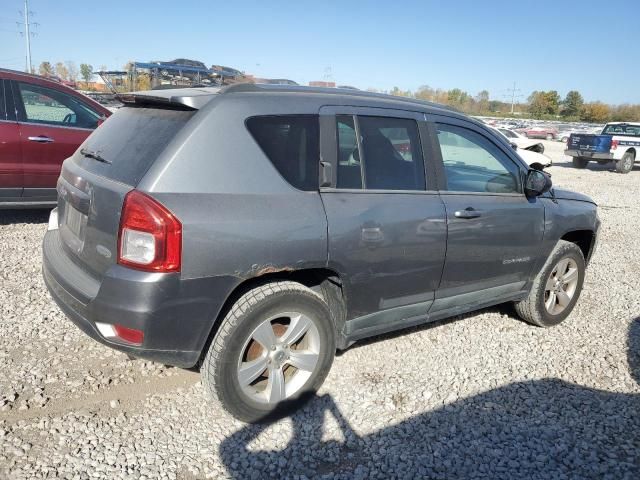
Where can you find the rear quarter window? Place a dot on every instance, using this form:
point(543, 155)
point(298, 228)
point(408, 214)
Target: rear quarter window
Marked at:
point(292, 145)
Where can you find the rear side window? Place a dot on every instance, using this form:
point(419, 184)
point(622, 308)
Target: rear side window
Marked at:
point(389, 156)
point(292, 145)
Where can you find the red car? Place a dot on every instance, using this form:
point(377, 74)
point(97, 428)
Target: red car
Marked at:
point(548, 133)
point(42, 122)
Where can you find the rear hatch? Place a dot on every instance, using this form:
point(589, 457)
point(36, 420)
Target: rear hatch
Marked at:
point(95, 180)
point(588, 143)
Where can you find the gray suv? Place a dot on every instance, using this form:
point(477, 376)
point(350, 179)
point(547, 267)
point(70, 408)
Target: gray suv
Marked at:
point(251, 231)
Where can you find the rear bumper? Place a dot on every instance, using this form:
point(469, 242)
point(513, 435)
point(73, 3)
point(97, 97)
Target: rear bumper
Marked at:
point(175, 315)
point(589, 155)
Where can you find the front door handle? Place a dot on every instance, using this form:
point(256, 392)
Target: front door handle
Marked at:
point(468, 212)
point(40, 139)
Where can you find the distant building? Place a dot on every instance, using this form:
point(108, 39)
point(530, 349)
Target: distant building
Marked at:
point(322, 83)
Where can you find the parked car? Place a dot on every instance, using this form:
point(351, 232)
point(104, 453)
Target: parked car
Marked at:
point(548, 133)
point(531, 152)
point(618, 143)
point(520, 140)
point(251, 230)
point(42, 122)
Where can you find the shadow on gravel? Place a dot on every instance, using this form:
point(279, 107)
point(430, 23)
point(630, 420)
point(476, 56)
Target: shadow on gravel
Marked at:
point(537, 429)
point(8, 217)
point(593, 165)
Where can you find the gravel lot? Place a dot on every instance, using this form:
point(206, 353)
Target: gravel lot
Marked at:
point(481, 396)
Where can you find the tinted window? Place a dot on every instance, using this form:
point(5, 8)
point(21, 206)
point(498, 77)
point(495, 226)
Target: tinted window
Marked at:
point(49, 106)
point(474, 164)
point(349, 173)
point(292, 145)
point(390, 152)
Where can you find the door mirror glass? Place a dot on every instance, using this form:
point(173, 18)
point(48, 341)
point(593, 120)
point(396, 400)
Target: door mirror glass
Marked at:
point(537, 183)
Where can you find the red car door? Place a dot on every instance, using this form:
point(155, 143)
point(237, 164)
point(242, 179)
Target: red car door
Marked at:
point(11, 177)
point(53, 124)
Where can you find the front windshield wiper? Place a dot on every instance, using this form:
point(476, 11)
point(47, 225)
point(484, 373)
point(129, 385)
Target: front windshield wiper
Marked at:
point(94, 155)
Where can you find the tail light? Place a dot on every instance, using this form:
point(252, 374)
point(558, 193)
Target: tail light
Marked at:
point(150, 236)
point(614, 144)
point(128, 335)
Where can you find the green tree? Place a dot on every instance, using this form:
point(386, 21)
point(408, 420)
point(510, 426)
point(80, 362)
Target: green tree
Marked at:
point(572, 104)
point(86, 72)
point(544, 103)
point(45, 69)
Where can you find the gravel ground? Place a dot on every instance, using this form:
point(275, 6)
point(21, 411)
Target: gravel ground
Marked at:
point(481, 396)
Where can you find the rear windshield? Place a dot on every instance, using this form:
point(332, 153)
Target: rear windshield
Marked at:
point(624, 130)
point(131, 140)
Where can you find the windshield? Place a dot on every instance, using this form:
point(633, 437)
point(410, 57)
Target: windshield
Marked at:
point(622, 129)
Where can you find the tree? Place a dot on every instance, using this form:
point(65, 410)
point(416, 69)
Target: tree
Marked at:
point(482, 100)
point(425, 92)
point(544, 103)
point(62, 71)
point(72, 70)
point(45, 69)
point(596, 112)
point(86, 72)
point(572, 104)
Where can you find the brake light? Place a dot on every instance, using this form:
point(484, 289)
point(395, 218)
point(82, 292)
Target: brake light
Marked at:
point(150, 236)
point(614, 144)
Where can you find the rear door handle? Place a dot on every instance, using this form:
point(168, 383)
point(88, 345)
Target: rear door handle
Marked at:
point(40, 139)
point(468, 212)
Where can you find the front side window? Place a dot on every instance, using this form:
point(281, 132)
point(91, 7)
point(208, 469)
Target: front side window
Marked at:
point(473, 163)
point(292, 145)
point(49, 106)
point(389, 156)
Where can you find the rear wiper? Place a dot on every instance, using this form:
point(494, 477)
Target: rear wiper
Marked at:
point(94, 155)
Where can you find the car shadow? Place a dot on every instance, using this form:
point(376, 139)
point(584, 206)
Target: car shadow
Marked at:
point(593, 165)
point(8, 217)
point(545, 428)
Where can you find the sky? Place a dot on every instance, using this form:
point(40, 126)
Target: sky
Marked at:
point(472, 45)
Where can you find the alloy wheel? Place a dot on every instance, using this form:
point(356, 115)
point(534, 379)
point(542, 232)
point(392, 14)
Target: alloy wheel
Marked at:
point(561, 286)
point(279, 357)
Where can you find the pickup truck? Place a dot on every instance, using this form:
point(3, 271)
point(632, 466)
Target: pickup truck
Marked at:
point(618, 142)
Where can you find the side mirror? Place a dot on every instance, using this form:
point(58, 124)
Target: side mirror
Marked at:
point(537, 183)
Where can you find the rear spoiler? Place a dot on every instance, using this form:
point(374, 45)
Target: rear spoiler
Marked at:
point(178, 99)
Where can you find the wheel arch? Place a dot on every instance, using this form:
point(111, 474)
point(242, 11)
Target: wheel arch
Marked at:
point(585, 239)
point(632, 151)
point(323, 281)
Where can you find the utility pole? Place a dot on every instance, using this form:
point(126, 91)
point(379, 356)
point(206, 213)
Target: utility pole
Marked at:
point(27, 36)
point(512, 93)
point(26, 24)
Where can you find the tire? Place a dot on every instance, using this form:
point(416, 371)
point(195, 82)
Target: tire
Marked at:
point(550, 136)
point(234, 346)
point(625, 164)
point(580, 162)
point(534, 308)
point(564, 139)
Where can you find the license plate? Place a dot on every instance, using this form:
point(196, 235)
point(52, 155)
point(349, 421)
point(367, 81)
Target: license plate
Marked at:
point(75, 221)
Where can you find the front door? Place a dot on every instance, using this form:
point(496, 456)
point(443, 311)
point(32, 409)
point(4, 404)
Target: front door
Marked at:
point(494, 230)
point(53, 124)
point(386, 222)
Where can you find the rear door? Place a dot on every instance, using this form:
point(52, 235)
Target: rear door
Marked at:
point(11, 178)
point(494, 230)
point(386, 222)
point(53, 124)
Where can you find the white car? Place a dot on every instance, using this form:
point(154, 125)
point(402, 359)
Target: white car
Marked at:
point(529, 151)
